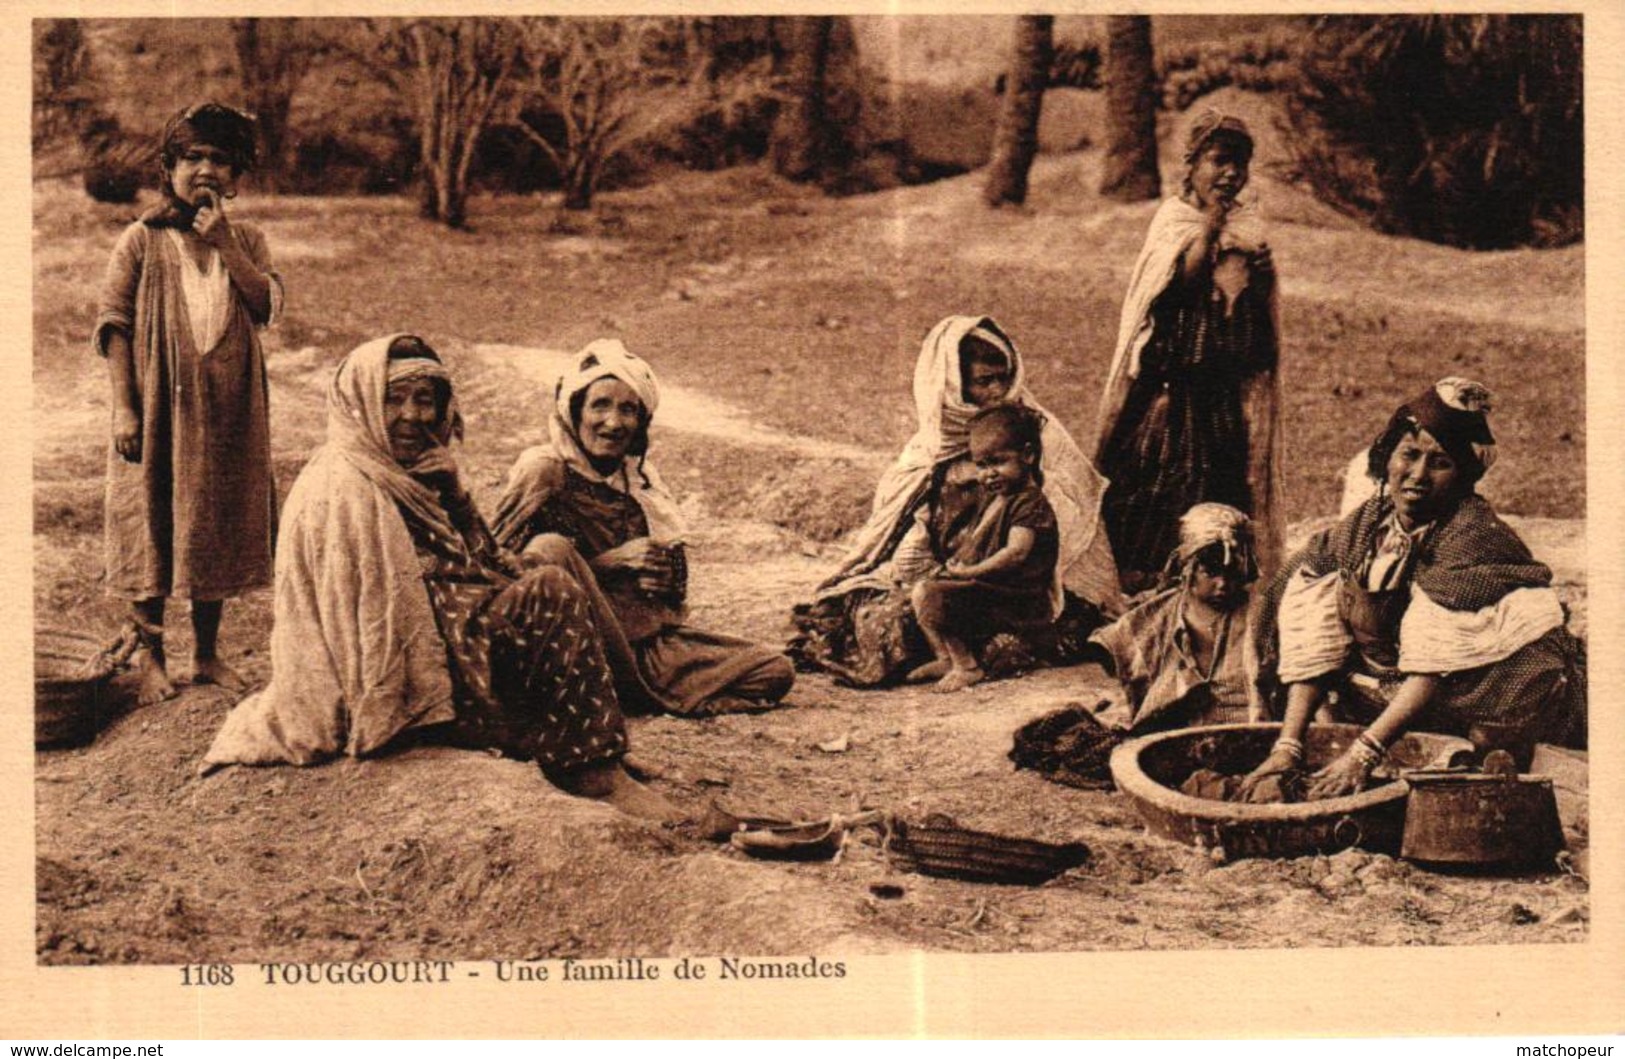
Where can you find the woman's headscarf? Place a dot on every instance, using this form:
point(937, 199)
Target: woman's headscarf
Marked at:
point(1455, 411)
point(1071, 484)
point(607, 358)
point(356, 654)
point(358, 431)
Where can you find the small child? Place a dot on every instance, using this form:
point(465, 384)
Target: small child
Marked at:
point(190, 496)
point(1181, 652)
point(1000, 566)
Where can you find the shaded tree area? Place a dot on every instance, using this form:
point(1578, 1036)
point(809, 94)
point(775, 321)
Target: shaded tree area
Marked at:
point(1129, 169)
point(71, 123)
point(456, 73)
point(1015, 139)
point(1461, 129)
point(803, 131)
point(596, 89)
point(273, 57)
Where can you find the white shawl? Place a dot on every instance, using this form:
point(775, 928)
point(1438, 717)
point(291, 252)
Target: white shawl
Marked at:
point(1071, 484)
point(356, 656)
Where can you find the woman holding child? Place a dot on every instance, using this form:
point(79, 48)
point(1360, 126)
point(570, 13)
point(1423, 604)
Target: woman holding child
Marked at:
point(932, 512)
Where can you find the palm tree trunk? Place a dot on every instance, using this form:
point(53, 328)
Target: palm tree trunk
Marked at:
point(1015, 141)
point(1129, 170)
point(801, 131)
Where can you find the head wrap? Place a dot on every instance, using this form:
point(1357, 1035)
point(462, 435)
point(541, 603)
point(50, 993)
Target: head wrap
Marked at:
point(1211, 525)
point(215, 124)
point(404, 368)
point(358, 427)
point(1071, 483)
point(1455, 412)
point(1209, 125)
point(607, 358)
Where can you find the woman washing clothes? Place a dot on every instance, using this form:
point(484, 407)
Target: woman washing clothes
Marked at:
point(1190, 411)
point(1420, 609)
point(397, 614)
point(590, 492)
point(860, 624)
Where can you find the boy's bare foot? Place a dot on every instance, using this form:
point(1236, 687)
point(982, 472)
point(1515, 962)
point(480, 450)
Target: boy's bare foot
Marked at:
point(215, 671)
point(959, 679)
point(155, 683)
point(609, 782)
point(933, 670)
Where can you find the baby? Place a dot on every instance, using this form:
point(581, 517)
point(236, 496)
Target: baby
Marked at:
point(998, 564)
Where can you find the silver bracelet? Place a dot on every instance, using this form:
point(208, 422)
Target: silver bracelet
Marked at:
point(1293, 747)
point(1366, 748)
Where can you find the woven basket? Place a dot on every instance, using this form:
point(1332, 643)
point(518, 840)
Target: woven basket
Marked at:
point(72, 688)
point(939, 846)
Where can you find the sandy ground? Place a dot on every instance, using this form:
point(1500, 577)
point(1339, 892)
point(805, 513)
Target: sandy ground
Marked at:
point(786, 327)
point(439, 853)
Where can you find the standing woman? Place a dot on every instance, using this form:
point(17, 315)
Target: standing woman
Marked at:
point(1192, 403)
point(190, 497)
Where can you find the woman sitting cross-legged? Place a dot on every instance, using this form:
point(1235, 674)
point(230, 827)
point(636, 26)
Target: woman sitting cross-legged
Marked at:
point(396, 612)
point(589, 491)
point(860, 624)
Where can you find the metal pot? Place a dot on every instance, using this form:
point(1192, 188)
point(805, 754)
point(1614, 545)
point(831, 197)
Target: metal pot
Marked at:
point(1493, 819)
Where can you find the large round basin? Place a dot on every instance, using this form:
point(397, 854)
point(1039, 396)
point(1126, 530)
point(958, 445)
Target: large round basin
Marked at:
point(1150, 769)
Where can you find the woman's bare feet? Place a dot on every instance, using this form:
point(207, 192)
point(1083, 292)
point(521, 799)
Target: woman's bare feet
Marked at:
point(609, 782)
point(935, 669)
point(215, 671)
point(155, 683)
point(959, 679)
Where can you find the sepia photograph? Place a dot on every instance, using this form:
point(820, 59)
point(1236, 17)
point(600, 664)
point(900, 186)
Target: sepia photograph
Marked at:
point(564, 499)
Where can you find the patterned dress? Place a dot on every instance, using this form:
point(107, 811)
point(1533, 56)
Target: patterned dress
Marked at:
point(527, 664)
point(1452, 583)
point(1182, 437)
point(687, 668)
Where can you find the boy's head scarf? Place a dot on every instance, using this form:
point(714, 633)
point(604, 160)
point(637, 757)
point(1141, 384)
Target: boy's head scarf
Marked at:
point(1217, 526)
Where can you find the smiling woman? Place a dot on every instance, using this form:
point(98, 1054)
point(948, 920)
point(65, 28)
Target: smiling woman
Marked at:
point(1421, 609)
point(396, 611)
point(589, 494)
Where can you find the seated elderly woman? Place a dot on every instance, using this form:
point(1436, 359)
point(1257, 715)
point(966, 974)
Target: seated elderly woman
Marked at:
point(1182, 653)
point(590, 491)
point(395, 611)
point(860, 624)
point(1420, 609)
